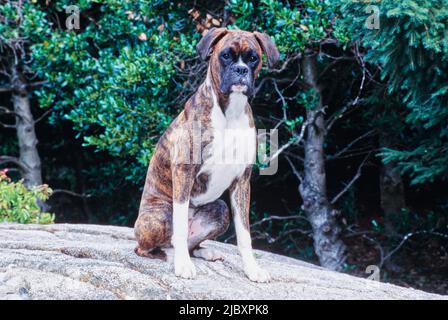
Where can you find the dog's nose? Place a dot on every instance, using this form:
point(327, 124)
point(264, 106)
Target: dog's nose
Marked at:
point(241, 70)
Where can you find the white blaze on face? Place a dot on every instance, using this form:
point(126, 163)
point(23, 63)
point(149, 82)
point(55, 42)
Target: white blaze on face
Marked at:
point(241, 63)
point(240, 88)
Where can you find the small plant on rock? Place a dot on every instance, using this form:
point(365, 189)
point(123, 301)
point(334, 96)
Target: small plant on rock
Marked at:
point(19, 204)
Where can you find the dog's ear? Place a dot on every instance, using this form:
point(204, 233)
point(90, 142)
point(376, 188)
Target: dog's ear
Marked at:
point(205, 46)
point(268, 47)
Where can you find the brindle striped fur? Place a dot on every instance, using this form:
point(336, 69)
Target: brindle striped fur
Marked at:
point(153, 228)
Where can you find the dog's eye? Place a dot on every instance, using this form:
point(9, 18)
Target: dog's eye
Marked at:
point(225, 56)
point(252, 58)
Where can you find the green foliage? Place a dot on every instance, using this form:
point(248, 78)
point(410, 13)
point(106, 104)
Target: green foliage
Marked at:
point(294, 25)
point(309, 99)
point(411, 48)
point(18, 204)
point(33, 24)
point(118, 89)
point(115, 78)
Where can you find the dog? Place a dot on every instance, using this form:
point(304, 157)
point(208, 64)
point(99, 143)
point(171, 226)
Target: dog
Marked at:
point(180, 205)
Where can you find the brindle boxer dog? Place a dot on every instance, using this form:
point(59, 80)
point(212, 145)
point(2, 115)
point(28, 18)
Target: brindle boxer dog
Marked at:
point(180, 205)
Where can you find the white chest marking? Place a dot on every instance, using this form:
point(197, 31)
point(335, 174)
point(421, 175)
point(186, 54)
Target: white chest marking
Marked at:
point(231, 150)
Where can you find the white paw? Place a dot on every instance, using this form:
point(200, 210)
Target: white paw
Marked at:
point(256, 274)
point(184, 268)
point(208, 254)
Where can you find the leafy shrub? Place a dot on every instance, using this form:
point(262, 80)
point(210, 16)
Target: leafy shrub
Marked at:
point(19, 204)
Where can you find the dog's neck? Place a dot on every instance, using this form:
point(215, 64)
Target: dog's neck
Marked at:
point(232, 106)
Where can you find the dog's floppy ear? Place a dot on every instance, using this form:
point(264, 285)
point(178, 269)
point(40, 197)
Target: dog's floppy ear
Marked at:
point(268, 47)
point(205, 46)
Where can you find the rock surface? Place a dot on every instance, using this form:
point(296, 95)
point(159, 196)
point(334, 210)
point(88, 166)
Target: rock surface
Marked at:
point(66, 261)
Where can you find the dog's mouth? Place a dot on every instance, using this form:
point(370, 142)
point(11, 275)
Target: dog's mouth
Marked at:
point(239, 88)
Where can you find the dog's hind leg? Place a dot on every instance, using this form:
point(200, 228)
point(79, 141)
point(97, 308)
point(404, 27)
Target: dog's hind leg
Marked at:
point(153, 229)
point(207, 223)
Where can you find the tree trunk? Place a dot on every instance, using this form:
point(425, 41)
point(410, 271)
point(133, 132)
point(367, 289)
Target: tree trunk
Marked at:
point(326, 233)
point(26, 134)
point(391, 190)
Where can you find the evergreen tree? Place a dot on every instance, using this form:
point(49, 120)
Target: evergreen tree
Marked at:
point(411, 50)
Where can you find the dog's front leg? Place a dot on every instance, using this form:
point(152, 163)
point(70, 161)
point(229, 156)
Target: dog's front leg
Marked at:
point(182, 184)
point(240, 203)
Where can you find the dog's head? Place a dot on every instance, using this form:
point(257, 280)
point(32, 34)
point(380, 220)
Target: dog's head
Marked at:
point(235, 58)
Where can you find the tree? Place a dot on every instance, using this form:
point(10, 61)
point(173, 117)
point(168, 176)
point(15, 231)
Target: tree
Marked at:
point(411, 50)
point(17, 33)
